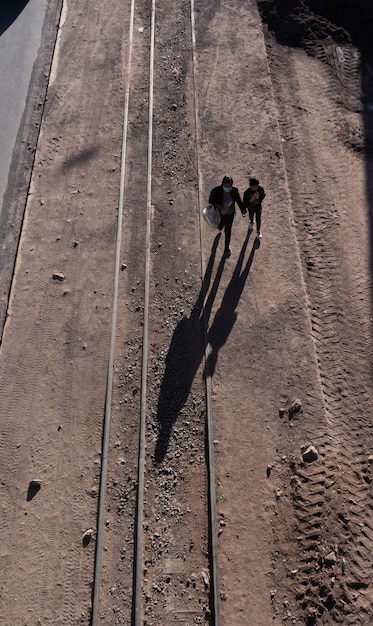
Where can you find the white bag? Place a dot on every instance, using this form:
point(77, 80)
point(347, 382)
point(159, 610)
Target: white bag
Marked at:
point(211, 216)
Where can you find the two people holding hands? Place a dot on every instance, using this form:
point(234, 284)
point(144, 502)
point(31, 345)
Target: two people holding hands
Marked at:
point(224, 198)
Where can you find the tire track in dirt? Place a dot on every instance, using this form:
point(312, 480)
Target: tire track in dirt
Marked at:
point(330, 503)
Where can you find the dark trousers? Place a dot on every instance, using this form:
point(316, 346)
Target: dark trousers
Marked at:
point(226, 223)
point(257, 211)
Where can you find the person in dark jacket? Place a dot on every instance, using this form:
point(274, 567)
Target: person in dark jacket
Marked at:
point(252, 200)
point(224, 198)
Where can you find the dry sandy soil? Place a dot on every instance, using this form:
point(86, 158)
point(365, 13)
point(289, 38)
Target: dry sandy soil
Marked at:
point(281, 90)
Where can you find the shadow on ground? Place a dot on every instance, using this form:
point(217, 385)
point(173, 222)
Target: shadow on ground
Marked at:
point(9, 11)
point(187, 348)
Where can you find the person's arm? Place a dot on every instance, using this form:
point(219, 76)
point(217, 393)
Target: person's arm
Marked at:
point(213, 197)
point(237, 198)
point(262, 195)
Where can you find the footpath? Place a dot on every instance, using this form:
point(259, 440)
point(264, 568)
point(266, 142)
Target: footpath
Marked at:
point(262, 355)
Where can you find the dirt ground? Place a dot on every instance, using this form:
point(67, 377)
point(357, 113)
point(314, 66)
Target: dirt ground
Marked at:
point(281, 90)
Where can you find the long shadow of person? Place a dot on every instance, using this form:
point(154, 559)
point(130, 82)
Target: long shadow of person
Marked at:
point(184, 357)
point(188, 343)
point(226, 315)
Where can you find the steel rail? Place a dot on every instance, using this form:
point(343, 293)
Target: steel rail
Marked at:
point(138, 549)
point(109, 383)
point(137, 603)
point(214, 573)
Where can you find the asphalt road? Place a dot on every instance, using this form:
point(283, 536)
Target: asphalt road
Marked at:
point(21, 26)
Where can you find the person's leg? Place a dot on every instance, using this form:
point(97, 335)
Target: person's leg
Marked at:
point(223, 221)
point(251, 216)
point(259, 219)
point(228, 231)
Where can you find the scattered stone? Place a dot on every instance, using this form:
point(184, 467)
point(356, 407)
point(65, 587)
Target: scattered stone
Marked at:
point(310, 455)
point(33, 488)
point(370, 458)
point(58, 276)
point(295, 481)
point(86, 539)
point(123, 266)
point(206, 578)
point(35, 483)
point(281, 412)
point(330, 559)
point(295, 407)
point(76, 244)
point(269, 468)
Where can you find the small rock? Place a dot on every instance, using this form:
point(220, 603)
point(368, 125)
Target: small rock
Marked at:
point(35, 483)
point(58, 276)
point(281, 412)
point(206, 578)
point(123, 266)
point(330, 559)
point(269, 468)
point(33, 488)
point(295, 407)
point(310, 454)
point(295, 481)
point(87, 537)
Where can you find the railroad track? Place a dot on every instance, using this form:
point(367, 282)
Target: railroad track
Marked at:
point(174, 543)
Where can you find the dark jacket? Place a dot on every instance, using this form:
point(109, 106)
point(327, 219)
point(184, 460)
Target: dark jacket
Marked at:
point(256, 203)
point(216, 197)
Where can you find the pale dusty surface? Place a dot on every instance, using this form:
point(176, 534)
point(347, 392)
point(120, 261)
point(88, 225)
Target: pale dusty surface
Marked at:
point(289, 319)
